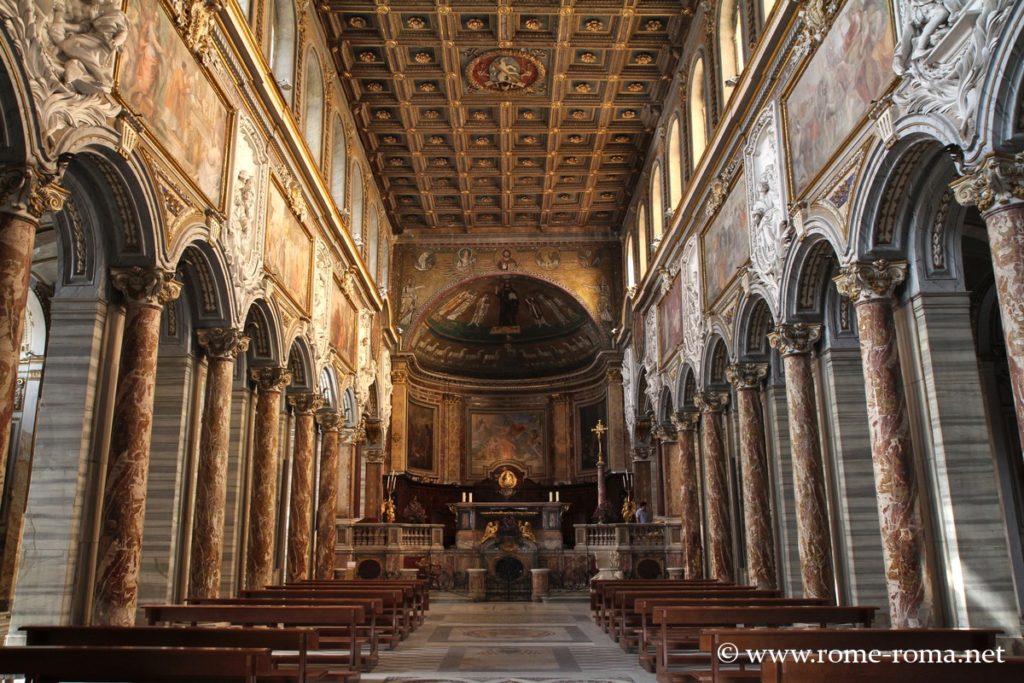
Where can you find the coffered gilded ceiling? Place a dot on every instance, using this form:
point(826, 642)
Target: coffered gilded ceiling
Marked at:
point(480, 115)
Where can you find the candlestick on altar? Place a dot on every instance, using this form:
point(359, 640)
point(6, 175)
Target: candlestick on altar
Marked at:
point(599, 431)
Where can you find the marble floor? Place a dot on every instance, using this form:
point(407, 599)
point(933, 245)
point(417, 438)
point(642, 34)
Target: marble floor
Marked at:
point(508, 642)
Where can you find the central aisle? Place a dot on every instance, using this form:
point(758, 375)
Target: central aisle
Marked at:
point(499, 642)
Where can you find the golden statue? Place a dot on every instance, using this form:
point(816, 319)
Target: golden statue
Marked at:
point(490, 531)
point(387, 511)
point(526, 531)
point(507, 482)
point(628, 509)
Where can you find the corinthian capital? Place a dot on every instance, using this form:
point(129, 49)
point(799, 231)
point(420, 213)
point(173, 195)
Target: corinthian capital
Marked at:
point(329, 419)
point(711, 401)
point(792, 338)
point(863, 282)
point(686, 421)
point(222, 342)
point(999, 180)
point(746, 375)
point(149, 286)
point(271, 378)
point(29, 193)
point(306, 403)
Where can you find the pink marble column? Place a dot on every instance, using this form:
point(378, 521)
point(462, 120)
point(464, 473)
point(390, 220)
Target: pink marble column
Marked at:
point(693, 552)
point(222, 346)
point(146, 291)
point(746, 379)
point(25, 195)
point(716, 483)
point(870, 287)
point(300, 515)
point(327, 496)
point(794, 342)
point(259, 560)
point(996, 187)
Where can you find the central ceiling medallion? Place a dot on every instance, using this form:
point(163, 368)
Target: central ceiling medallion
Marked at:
point(506, 71)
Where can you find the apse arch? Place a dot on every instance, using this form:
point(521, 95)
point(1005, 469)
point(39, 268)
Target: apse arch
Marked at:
point(203, 272)
point(302, 367)
point(754, 320)
point(714, 362)
point(796, 297)
point(686, 387)
point(263, 329)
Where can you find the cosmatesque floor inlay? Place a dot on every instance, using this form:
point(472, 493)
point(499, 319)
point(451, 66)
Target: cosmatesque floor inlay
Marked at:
point(464, 642)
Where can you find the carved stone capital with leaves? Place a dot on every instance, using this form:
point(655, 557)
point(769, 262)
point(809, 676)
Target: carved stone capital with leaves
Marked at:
point(711, 401)
point(306, 403)
point(27, 192)
point(685, 420)
point(746, 375)
point(222, 342)
point(270, 379)
point(146, 286)
point(998, 181)
point(329, 419)
point(793, 338)
point(863, 282)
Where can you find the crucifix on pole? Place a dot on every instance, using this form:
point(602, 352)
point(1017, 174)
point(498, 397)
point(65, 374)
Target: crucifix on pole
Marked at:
point(599, 431)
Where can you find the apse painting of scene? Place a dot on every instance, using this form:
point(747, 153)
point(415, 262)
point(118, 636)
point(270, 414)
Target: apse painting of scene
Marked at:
point(507, 327)
point(516, 436)
point(159, 80)
point(852, 67)
point(726, 243)
point(421, 436)
point(588, 417)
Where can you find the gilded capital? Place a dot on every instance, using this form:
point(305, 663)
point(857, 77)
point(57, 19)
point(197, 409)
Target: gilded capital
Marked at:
point(793, 338)
point(711, 401)
point(746, 375)
point(29, 193)
point(686, 420)
point(270, 379)
point(862, 282)
point(149, 286)
point(329, 419)
point(999, 180)
point(222, 342)
point(306, 402)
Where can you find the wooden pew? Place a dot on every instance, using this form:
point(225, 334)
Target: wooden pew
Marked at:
point(398, 606)
point(602, 598)
point(622, 615)
point(644, 607)
point(679, 627)
point(420, 590)
point(111, 664)
point(373, 607)
point(598, 586)
point(345, 618)
point(789, 671)
point(866, 639)
point(300, 640)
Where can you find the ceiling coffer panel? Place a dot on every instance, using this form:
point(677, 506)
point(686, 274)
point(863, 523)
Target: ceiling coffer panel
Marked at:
point(490, 114)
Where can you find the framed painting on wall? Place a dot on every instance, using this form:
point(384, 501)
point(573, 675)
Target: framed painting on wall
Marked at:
point(515, 436)
point(421, 436)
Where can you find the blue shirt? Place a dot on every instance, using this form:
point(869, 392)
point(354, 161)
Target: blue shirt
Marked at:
point(643, 516)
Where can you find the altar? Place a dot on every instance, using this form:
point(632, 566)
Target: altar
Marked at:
point(544, 520)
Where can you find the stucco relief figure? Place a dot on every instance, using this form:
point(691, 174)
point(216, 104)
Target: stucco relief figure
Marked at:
point(490, 531)
point(88, 44)
point(924, 22)
point(766, 218)
point(245, 203)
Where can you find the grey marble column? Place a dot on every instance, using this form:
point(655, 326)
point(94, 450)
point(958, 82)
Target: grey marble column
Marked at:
point(794, 342)
point(746, 379)
point(870, 287)
point(222, 347)
point(146, 292)
point(716, 483)
point(690, 513)
point(26, 193)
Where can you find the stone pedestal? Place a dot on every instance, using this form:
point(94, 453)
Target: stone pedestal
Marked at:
point(477, 584)
point(607, 574)
point(711, 405)
point(259, 566)
point(222, 346)
point(540, 584)
point(146, 292)
point(674, 573)
point(794, 342)
point(409, 573)
point(870, 286)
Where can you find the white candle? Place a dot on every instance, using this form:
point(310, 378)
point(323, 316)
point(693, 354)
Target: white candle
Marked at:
point(470, 496)
point(558, 496)
point(463, 496)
